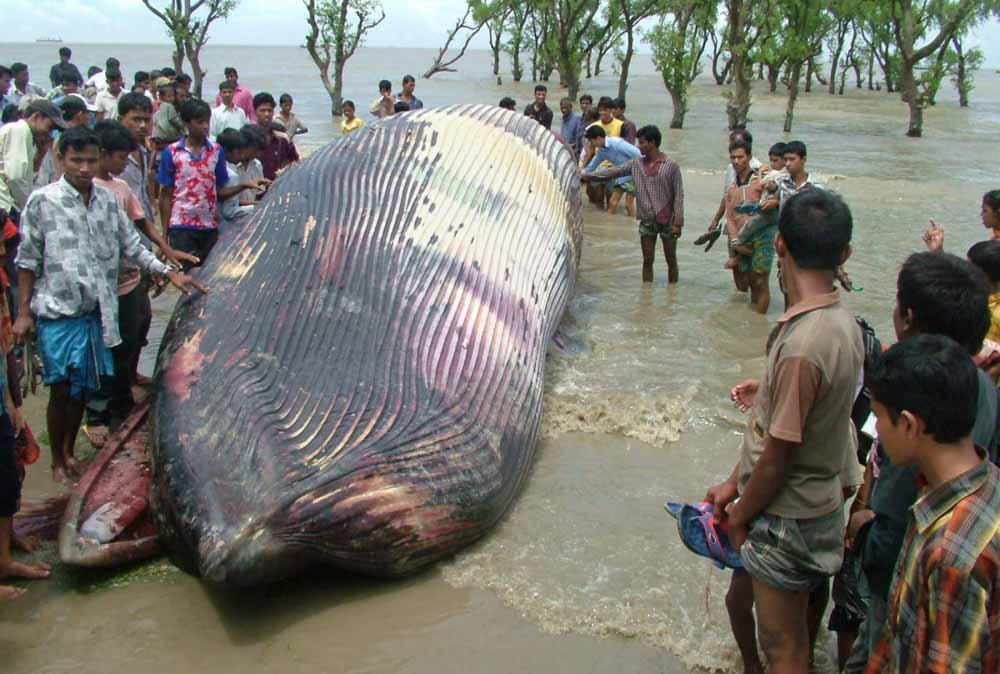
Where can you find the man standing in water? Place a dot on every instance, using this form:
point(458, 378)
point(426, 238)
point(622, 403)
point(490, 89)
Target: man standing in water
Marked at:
point(538, 110)
point(384, 105)
point(738, 195)
point(60, 71)
point(572, 126)
point(659, 199)
point(406, 95)
point(788, 523)
point(242, 98)
point(715, 226)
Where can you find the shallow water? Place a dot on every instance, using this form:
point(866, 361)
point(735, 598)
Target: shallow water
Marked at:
point(586, 574)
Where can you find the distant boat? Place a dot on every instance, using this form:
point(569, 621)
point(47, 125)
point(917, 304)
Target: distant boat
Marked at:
point(49, 39)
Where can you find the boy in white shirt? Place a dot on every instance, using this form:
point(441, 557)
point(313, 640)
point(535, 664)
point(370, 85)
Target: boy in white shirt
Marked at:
point(226, 115)
point(106, 101)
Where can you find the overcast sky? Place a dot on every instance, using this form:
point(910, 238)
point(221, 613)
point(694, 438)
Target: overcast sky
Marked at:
point(408, 23)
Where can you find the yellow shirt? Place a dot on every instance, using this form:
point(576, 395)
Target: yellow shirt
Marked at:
point(994, 333)
point(613, 129)
point(353, 125)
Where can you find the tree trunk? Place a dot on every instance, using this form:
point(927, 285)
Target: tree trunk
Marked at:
point(910, 96)
point(568, 75)
point(588, 71)
point(809, 76)
point(597, 63)
point(680, 110)
point(738, 105)
point(496, 40)
point(916, 125)
point(835, 59)
point(793, 94)
point(718, 46)
point(515, 69)
point(198, 75)
point(178, 57)
point(961, 75)
point(336, 91)
point(818, 74)
point(626, 63)
point(871, 72)
point(773, 72)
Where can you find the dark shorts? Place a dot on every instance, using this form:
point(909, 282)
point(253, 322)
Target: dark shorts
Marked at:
point(145, 310)
point(653, 228)
point(197, 242)
point(628, 187)
point(114, 397)
point(794, 555)
point(10, 471)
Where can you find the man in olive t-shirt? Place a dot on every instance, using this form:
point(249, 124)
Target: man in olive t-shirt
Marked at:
point(788, 522)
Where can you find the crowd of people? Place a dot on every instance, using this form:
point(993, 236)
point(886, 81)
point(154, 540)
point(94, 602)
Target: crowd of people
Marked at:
point(905, 439)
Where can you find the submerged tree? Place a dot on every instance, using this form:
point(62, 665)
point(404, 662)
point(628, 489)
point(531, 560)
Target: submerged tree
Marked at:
point(738, 15)
point(967, 62)
point(495, 26)
point(678, 45)
point(931, 24)
point(336, 29)
point(720, 44)
point(517, 20)
point(602, 39)
point(188, 22)
point(569, 21)
point(805, 27)
point(631, 13)
point(475, 18)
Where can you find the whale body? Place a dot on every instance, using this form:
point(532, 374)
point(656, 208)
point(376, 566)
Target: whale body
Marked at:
point(362, 384)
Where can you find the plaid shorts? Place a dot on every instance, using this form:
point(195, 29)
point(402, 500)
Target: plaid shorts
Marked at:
point(794, 555)
point(763, 252)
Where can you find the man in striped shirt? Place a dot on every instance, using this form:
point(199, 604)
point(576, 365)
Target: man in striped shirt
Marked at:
point(944, 610)
point(659, 194)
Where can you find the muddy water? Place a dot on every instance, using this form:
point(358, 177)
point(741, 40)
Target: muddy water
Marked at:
point(586, 574)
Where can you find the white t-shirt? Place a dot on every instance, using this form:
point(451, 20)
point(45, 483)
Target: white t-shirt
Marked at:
point(107, 103)
point(99, 81)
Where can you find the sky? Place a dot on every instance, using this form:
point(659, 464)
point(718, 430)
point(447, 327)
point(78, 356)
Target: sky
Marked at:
point(408, 23)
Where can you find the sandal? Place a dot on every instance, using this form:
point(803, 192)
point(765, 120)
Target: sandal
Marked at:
point(97, 435)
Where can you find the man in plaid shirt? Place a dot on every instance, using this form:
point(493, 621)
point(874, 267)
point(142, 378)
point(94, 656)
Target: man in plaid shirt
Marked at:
point(944, 611)
point(659, 194)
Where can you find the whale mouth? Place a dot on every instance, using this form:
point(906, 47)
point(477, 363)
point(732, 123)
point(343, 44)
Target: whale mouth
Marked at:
point(245, 558)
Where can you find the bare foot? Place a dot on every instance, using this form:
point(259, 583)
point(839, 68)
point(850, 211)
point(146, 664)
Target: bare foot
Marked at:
point(74, 467)
point(11, 568)
point(61, 475)
point(9, 593)
point(24, 543)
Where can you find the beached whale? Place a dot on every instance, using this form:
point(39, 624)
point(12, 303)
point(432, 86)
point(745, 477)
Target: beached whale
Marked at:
point(362, 385)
